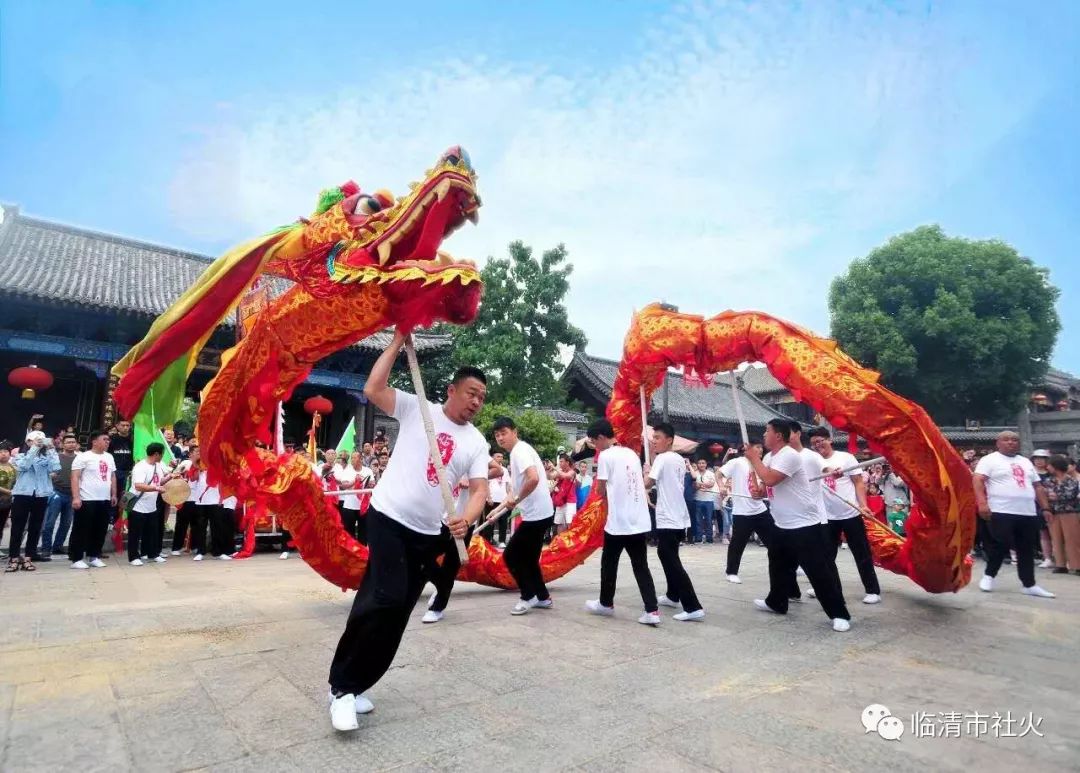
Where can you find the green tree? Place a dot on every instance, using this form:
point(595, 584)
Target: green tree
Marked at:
point(963, 327)
point(522, 326)
point(535, 428)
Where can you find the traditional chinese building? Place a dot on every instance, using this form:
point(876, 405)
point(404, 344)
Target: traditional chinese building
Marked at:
point(74, 301)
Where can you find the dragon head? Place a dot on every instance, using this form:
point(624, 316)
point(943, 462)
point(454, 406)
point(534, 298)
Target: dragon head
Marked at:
point(396, 242)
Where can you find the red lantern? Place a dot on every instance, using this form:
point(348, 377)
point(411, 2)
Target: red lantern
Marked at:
point(29, 379)
point(318, 404)
point(716, 448)
point(1063, 405)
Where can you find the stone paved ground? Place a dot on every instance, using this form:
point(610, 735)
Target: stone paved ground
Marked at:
point(222, 666)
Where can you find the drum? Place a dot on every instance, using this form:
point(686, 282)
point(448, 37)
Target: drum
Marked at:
point(176, 491)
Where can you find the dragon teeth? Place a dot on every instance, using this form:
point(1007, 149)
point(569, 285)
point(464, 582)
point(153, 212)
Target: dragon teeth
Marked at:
point(384, 251)
point(442, 189)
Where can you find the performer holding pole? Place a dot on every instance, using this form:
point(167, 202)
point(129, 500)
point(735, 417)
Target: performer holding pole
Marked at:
point(847, 484)
point(406, 530)
point(672, 520)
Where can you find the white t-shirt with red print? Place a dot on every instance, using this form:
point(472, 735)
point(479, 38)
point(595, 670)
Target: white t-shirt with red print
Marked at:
point(537, 506)
point(408, 492)
point(95, 483)
point(739, 472)
point(844, 486)
point(146, 474)
point(628, 508)
point(1010, 483)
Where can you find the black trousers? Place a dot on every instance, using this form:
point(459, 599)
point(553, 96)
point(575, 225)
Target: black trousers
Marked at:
point(4, 513)
point(200, 519)
point(350, 521)
point(162, 515)
point(89, 525)
point(636, 546)
point(807, 547)
point(679, 586)
point(742, 526)
point(27, 516)
point(854, 530)
point(1009, 532)
point(223, 531)
point(443, 575)
point(522, 556)
point(501, 524)
point(400, 561)
point(185, 515)
point(142, 534)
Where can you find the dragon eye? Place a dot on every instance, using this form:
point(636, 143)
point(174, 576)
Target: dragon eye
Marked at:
point(368, 205)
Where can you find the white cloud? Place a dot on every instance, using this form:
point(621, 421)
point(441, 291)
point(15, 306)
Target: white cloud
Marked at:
point(736, 159)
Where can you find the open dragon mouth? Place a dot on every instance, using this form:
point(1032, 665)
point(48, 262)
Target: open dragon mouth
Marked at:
point(410, 231)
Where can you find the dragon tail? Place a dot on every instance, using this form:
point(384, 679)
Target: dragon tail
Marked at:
point(154, 372)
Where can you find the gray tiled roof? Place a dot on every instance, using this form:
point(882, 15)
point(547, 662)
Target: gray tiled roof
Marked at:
point(563, 416)
point(709, 404)
point(55, 263)
point(759, 381)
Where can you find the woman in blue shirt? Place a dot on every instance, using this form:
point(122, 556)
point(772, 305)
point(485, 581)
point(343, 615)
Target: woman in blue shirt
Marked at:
point(29, 496)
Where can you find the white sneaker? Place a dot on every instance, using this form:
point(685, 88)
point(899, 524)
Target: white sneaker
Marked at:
point(431, 616)
point(725, 541)
point(734, 578)
point(872, 598)
point(683, 617)
point(284, 556)
point(144, 558)
point(136, 562)
point(986, 584)
point(811, 593)
point(799, 572)
point(1046, 564)
point(840, 625)
point(159, 560)
point(596, 608)
point(522, 607)
point(97, 563)
point(198, 557)
point(760, 604)
point(364, 704)
point(174, 553)
point(664, 601)
point(224, 557)
point(536, 603)
point(650, 618)
point(343, 713)
point(501, 546)
point(1035, 590)
point(80, 565)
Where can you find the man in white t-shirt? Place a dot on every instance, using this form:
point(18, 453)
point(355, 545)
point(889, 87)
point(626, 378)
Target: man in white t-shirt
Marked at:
point(668, 473)
point(705, 491)
point(147, 481)
point(800, 538)
point(498, 490)
point(1009, 495)
point(408, 525)
point(533, 497)
point(620, 485)
point(93, 490)
point(749, 515)
point(842, 490)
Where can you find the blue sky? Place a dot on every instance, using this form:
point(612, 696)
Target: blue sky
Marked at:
point(729, 155)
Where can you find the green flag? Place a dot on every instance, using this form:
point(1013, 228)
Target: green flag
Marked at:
point(146, 431)
point(347, 444)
